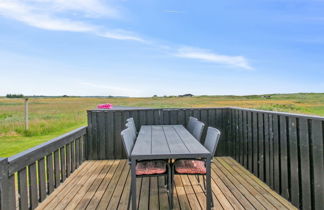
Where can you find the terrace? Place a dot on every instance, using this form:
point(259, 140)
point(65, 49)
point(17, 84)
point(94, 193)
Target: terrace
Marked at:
point(265, 160)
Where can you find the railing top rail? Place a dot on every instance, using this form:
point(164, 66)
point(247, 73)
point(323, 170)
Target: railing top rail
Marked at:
point(288, 114)
point(19, 161)
point(146, 109)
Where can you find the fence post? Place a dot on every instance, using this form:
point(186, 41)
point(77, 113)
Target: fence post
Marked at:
point(4, 171)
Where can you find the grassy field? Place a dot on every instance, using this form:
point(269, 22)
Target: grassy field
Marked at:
point(51, 117)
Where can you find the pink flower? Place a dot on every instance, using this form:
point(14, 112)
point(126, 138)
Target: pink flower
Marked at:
point(104, 106)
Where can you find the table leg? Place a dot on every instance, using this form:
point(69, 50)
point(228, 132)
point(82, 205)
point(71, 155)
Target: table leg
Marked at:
point(133, 183)
point(208, 183)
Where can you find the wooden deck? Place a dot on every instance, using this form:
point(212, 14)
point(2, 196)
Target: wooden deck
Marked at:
point(105, 184)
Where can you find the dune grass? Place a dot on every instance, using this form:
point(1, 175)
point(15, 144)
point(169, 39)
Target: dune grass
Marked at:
point(51, 117)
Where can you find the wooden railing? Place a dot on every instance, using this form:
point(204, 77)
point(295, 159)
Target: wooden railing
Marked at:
point(28, 177)
point(104, 141)
point(284, 150)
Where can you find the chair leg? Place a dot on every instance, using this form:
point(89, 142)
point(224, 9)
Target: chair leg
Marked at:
point(204, 181)
point(129, 197)
point(171, 182)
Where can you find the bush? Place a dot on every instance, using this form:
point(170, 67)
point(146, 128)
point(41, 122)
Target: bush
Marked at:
point(14, 95)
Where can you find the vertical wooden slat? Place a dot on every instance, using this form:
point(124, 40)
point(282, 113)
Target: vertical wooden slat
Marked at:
point(77, 152)
point(211, 117)
point(142, 118)
point(293, 161)
point(12, 192)
point(63, 163)
point(237, 135)
point(4, 182)
point(196, 113)
point(203, 116)
point(117, 129)
point(157, 118)
point(284, 191)
point(42, 179)
point(72, 147)
point(241, 137)
point(150, 117)
point(181, 117)
point(250, 141)
point(50, 173)
point(91, 127)
point(82, 149)
point(110, 144)
point(270, 148)
point(304, 163)
point(23, 189)
point(255, 143)
point(166, 117)
point(276, 153)
point(245, 140)
point(68, 160)
point(33, 188)
point(188, 113)
point(261, 145)
point(317, 169)
point(57, 168)
point(266, 149)
point(94, 140)
point(173, 117)
point(101, 147)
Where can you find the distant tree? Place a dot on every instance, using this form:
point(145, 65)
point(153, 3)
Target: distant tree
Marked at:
point(14, 95)
point(64, 96)
point(155, 96)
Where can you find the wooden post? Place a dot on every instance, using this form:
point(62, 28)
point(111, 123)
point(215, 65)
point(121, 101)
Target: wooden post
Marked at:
point(26, 114)
point(4, 183)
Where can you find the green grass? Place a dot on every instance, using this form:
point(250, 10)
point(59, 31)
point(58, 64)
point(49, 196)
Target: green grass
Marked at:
point(11, 145)
point(51, 117)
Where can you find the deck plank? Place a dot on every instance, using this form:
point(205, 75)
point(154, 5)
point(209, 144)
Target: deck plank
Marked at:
point(105, 184)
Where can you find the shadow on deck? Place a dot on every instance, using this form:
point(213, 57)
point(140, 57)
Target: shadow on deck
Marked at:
point(105, 184)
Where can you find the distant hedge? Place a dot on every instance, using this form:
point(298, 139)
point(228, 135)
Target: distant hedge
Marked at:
point(14, 95)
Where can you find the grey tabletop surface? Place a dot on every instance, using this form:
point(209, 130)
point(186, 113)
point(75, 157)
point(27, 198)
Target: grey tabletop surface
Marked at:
point(167, 142)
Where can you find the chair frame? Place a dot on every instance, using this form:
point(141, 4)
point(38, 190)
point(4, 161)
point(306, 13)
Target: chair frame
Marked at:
point(173, 171)
point(167, 174)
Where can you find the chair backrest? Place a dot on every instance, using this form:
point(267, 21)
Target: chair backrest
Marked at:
point(131, 126)
point(132, 123)
point(191, 123)
point(212, 139)
point(128, 140)
point(198, 129)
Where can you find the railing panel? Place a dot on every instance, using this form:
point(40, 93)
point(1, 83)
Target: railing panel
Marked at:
point(287, 153)
point(105, 126)
point(28, 177)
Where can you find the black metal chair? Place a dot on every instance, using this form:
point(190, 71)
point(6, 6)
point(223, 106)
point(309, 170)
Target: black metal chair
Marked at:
point(197, 166)
point(131, 125)
point(198, 128)
point(190, 125)
point(148, 168)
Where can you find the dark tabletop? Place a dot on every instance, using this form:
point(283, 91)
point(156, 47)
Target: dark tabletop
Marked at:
point(167, 142)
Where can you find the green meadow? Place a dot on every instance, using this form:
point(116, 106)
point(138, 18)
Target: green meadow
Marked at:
point(51, 117)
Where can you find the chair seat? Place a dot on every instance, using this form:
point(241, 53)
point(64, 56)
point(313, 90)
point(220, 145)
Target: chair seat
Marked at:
point(190, 167)
point(151, 167)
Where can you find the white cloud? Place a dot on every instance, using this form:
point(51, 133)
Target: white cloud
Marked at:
point(35, 14)
point(206, 55)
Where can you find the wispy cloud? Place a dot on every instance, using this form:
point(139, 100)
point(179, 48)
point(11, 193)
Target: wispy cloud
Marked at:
point(173, 11)
point(206, 55)
point(51, 15)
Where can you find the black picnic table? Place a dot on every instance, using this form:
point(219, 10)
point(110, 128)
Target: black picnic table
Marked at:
point(168, 142)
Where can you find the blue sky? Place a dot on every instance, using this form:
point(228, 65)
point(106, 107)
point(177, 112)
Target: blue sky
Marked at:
point(169, 47)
